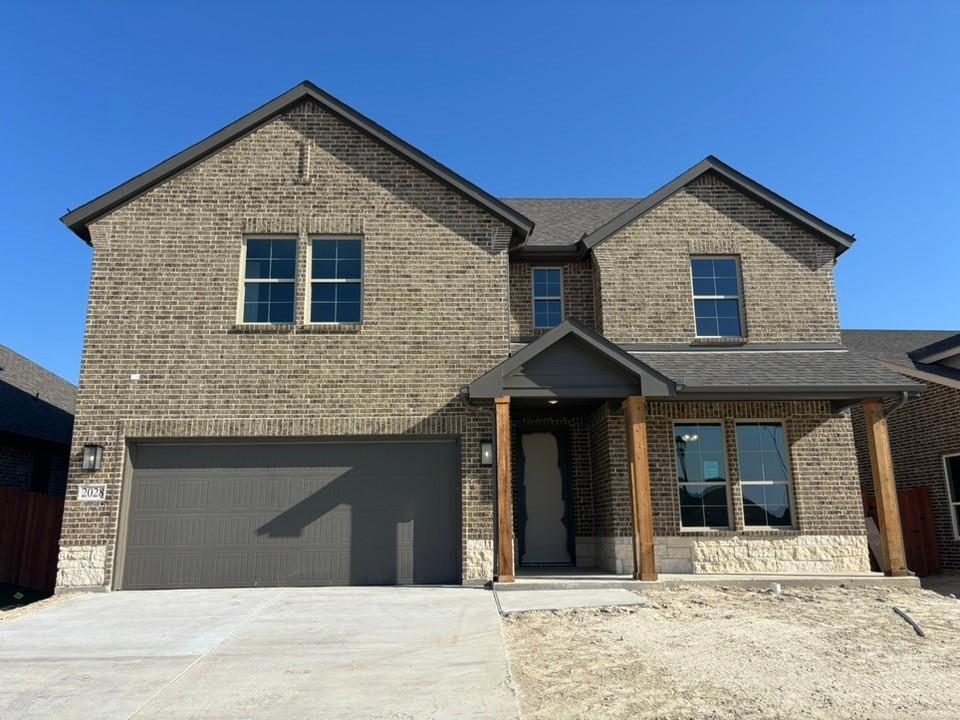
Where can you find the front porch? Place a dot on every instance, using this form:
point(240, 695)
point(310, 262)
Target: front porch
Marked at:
point(592, 479)
point(594, 580)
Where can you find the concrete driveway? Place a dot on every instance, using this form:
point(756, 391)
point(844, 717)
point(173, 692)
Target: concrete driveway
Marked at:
point(311, 652)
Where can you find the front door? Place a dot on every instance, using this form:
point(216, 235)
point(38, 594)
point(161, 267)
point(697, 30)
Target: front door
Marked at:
point(546, 537)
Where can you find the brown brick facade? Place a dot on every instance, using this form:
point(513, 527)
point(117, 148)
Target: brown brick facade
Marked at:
point(921, 433)
point(164, 297)
point(578, 295)
point(824, 488)
point(644, 270)
point(441, 302)
point(825, 499)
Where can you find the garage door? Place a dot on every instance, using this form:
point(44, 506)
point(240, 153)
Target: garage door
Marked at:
point(321, 513)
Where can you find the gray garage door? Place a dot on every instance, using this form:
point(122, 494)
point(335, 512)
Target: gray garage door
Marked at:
point(322, 513)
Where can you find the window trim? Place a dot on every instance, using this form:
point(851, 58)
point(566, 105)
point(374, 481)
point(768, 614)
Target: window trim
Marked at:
point(738, 297)
point(242, 290)
point(308, 295)
point(534, 298)
point(791, 496)
point(731, 525)
point(952, 502)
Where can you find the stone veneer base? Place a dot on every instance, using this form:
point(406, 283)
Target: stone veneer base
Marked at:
point(82, 567)
point(790, 554)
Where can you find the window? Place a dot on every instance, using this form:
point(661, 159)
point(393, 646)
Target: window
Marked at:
point(336, 280)
point(701, 474)
point(547, 297)
point(268, 280)
point(951, 466)
point(716, 297)
point(764, 477)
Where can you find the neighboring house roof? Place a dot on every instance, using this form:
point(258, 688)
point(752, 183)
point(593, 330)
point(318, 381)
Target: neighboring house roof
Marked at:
point(937, 351)
point(562, 222)
point(33, 401)
point(78, 220)
point(903, 350)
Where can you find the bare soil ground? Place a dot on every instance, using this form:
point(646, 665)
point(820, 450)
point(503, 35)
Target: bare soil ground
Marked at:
point(731, 653)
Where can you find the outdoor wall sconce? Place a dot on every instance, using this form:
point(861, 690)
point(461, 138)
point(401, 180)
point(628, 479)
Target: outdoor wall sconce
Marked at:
point(486, 453)
point(92, 455)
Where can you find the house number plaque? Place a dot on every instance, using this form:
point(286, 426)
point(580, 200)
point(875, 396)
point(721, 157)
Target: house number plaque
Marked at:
point(91, 493)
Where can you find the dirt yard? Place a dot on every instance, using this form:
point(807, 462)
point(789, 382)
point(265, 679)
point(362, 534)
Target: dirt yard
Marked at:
point(703, 653)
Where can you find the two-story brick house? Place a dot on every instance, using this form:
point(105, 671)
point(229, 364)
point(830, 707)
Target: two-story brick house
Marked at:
point(314, 355)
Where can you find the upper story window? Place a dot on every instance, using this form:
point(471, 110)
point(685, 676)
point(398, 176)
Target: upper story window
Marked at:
point(268, 280)
point(701, 475)
point(716, 296)
point(547, 297)
point(764, 475)
point(336, 280)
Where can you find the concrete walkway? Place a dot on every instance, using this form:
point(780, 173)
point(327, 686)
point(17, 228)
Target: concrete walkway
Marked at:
point(259, 653)
point(529, 600)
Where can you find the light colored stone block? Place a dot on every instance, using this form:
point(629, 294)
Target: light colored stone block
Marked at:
point(478, 560)
point(82, 566)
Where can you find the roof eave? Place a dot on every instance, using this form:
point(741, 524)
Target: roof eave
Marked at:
point(935, 352)
point(796, 392)
point(79, 219)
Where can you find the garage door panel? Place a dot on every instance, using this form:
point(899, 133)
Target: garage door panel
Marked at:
point(330, 513)
point(167, 531)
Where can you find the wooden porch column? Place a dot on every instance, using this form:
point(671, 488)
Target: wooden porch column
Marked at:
point(504, 492)
point(635, 419)
point(888, 513)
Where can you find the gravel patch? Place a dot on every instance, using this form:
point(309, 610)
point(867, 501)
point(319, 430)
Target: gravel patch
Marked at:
point(708, 653)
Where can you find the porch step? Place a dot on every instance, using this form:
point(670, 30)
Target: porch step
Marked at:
point(757, 582)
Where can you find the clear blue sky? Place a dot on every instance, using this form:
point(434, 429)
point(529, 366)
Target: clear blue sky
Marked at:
point(850, 109)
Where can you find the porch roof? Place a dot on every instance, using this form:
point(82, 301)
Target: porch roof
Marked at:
point(776, 373)
point(573, 361)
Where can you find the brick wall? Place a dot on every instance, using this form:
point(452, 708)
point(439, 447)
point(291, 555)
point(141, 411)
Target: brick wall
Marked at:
point(824, 490)
point(164, 297)
point(921, 433)
point(644, 270)
point(613, 515)
point(19, 457)
point(16, 465)
point(578, 295)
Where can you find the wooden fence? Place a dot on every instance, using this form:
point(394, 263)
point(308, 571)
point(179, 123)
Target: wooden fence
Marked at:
point(916, 521)
point(29, 538)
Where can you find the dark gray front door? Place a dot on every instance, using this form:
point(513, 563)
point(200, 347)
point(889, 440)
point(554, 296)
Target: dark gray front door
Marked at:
point(358, 512)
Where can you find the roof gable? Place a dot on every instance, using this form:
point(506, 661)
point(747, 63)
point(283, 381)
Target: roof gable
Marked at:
point(571, 361)
point(78, 220)
point(839, 239)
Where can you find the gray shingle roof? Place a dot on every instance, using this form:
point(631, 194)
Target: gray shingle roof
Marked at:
point(894, 347)
point(563, 221)
point(33, 401)
point(891, 345)
point(792, 371)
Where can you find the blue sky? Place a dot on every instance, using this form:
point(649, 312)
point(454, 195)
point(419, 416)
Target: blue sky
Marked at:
point(849, 109)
